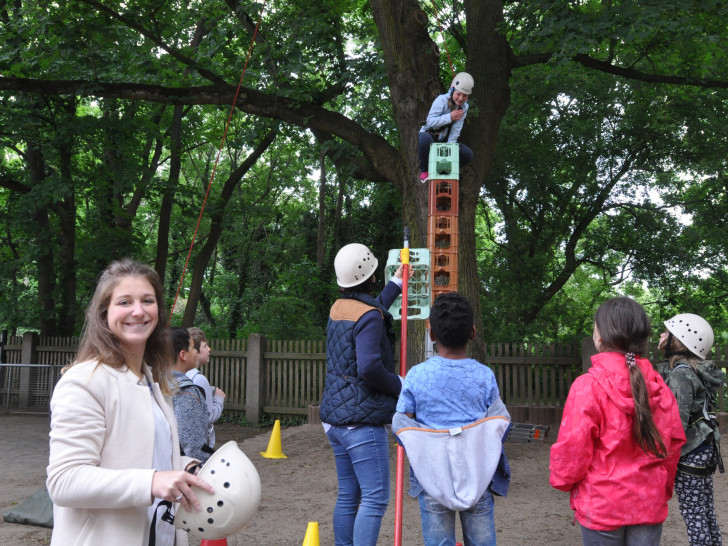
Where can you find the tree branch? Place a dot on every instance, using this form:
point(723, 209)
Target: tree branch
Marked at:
point(13, 185)
point(157, 40)
point(383, 157)
point(607, 67)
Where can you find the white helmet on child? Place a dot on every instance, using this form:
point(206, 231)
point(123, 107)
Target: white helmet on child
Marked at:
point(354, 264)
point(463, 82)
point(234, 502)
point(693, 331)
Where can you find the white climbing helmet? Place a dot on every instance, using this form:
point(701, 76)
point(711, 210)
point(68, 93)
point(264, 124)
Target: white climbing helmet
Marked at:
point(354, 264)
point(463, 82)
point(234, 502)
point(693, 331)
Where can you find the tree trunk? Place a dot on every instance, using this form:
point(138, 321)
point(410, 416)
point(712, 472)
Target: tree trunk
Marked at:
point(321, 238)
point(175, 166)
point(66, 210)
point(45, 258)
point(490, 63)
point(216, 226)
point(165, 211)
point(412, 62)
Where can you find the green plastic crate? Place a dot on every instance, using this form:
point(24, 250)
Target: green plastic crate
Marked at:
point(444, 161)
point(418, 286)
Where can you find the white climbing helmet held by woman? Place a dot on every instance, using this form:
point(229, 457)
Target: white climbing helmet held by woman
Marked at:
point(234, 502)
point(354, 264)
point(463, 82)
point(693, 331)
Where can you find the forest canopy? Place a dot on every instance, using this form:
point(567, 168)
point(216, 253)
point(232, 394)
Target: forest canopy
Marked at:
point(598, 129)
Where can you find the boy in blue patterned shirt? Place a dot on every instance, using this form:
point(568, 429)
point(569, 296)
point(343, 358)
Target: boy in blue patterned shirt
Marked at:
point(448, 397)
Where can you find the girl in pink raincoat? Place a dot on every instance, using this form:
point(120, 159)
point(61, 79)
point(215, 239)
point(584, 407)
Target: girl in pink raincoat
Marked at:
point(620, 436)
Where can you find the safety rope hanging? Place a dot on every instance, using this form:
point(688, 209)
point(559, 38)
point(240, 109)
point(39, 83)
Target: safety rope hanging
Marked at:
point(217, 159)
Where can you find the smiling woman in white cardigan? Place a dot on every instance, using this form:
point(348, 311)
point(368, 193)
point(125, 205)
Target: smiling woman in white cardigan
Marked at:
point(114, 451)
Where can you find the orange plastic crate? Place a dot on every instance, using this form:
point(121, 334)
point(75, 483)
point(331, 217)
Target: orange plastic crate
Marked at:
point(442, 233)
point(444, 197)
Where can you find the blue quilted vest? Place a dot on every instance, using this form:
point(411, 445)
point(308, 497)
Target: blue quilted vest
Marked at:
point(348, 400)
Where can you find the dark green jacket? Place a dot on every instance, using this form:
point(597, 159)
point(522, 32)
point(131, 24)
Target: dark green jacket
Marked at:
point(691, 389)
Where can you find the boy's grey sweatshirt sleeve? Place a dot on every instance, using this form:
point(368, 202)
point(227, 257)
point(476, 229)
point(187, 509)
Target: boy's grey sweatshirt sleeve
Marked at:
point(191, 414)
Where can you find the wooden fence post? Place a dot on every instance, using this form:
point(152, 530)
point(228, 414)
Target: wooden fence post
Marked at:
point(28, 355)
point(255, 378)
point(3, 341)
point(588, 349)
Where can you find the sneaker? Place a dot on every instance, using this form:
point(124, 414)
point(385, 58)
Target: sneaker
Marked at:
point(424, 176)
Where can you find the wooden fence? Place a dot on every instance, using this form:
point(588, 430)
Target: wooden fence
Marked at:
point(283, 378)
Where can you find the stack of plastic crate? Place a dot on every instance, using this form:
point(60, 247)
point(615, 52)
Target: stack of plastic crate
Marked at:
point(442, 229)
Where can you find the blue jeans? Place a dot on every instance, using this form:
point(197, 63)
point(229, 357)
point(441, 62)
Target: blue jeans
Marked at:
point(362, 468)
point(438, 522)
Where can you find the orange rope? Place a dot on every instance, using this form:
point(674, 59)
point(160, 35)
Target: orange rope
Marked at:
point(444, 41)
point(217, 159)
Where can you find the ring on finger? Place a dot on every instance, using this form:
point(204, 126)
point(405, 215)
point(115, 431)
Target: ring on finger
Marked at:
point(179, 497)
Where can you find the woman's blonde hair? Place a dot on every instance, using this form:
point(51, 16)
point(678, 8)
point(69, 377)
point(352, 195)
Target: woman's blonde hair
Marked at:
point(99, 343)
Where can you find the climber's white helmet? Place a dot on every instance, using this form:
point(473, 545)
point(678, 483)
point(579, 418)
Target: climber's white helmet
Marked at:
point(693, 331)
point(354, 264)
point(234, 502)
point(463, 82)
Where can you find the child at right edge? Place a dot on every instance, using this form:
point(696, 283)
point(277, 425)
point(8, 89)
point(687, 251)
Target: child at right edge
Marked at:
point(452, 423)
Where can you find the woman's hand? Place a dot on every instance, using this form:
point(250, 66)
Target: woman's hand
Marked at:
point(176, 486)
point(400, 272)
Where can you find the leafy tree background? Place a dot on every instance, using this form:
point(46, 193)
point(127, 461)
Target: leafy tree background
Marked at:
point(598, 128)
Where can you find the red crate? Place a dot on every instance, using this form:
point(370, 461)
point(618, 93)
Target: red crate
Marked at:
point(444, 197)
point(443, 259)
point(444, 272)
point(442, 233)
point(445, 280)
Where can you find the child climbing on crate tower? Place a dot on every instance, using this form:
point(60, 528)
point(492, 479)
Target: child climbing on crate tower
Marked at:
point(445, 121)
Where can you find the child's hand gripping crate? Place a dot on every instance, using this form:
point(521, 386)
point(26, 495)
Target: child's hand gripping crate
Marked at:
point(418, 286)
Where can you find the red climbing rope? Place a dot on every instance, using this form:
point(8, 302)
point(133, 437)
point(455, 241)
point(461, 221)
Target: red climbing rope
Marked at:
point(217, 159)
point(444, 41)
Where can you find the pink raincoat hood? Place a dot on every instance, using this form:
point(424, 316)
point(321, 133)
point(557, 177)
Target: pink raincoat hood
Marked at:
point(612, 373)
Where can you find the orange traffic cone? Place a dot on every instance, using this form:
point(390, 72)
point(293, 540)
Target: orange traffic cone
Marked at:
point(312, 534)
point(274, 444)
point(216, 542)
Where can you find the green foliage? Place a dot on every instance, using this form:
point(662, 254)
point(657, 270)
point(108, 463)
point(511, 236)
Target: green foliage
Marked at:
point(604, 182)
point(587, 192)
point(287, 421)
point(264, 424)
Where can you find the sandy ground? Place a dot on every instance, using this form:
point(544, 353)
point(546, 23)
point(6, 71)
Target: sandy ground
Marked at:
point(302, 489)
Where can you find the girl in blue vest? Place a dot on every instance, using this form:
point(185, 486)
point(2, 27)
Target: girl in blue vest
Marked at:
point(360, 394)
point(445, 121)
